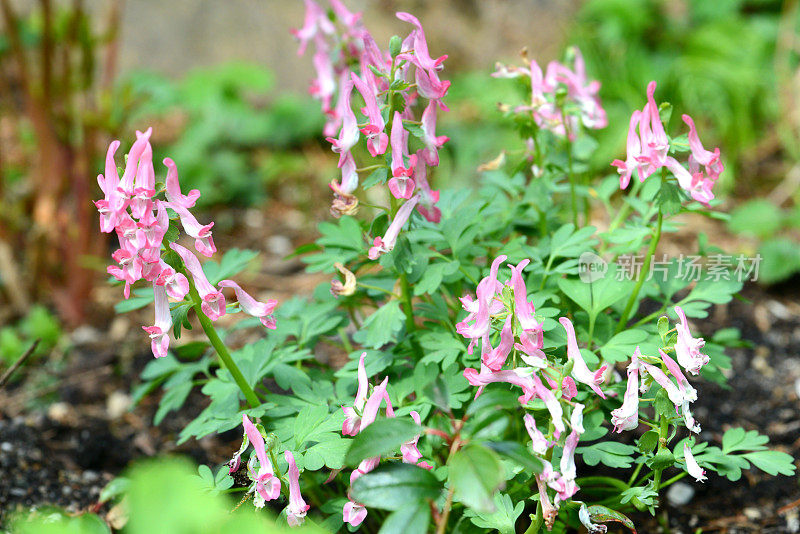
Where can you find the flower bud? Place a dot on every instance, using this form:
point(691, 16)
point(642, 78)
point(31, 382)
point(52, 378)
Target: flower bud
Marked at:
point(395, 45)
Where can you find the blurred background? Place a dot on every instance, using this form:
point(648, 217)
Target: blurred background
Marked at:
point(226, 94)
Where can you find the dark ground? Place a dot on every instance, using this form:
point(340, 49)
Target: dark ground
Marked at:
point(65, 452)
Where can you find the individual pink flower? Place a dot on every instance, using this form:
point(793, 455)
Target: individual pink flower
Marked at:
point(480, 317)
point(420, 54)
point(686, 389)
point(580, 371)
point(531, 335)
point(175, 283)
point(539, 443)
point(634, 151)
point(315, 20)
point(626, 417)
point(154, 228)
point(576, 418)
point(382, 245)
point(127, 182)
point(377, 140)
point(428, 197)
point(348, 135)
point(692, 467)
point(159, 332)
point(144, 183)
point(710, 160)
point(373, 404)
point(430, 154)
point(354, 513)
point(251, 306)
point(687, 348)
point(519, 376)
point(655, 143)
point(347, 18)
point(268, 486)
point(352, 419)
point(115, 201)
point(173, 187)
point(203, 240)
point(213, 301)
point(401, 184)
point(568, 388)
point(129, 269)
point(549, 511)
point(692, 181)
point(409, 450)
point(324, 85)
point(564, 484)
point(495, 358)
point(296, 511)
point(676, 395)
point(430, 86)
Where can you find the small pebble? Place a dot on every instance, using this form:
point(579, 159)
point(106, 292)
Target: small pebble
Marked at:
point(117, 404)
point(279, 245)
point(792, 521)
point(6, 447)
point(679, 494)
point(752, 513)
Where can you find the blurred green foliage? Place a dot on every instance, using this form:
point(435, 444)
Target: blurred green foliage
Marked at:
point(163, 496)
point(234, 134)
point(39, 323)
point(777, 230)
point(712, 60)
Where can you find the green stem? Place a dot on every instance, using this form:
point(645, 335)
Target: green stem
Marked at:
point(376, 288)
point(222, 351)
point(674, 479)
point(642, 275)
point(408, 307)
point(572, 194)
point(662, 440)
point(635, 474)
point(536, 520)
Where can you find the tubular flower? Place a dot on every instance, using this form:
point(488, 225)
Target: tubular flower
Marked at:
point(480, 312)
point(692, 467)
point(626, 417)
point(676, 395)
point(564, 484)
point(687, 347)
point(176, 284)
point(203, 240)
point(348, 136)
point(377, 140)
point(655, 143)
point(580, 371)
point(386, 243)
point(251, 306)
point(496, 358)
point(531, 335)
point(173, 187)
point(352, 420)
point(373, 404)
point(428, 197)
point(159, 332)
point(539, 443)
point(401, 184)
point(519, 377)
point(115, 201)
point(315, 21)
point(430, 154)
point(549, 511)
point(354, 513)
point(128, 180)
point(634, 152)
point(213, 303)
point(686, 389)
point(710, 160)
point(296, 511)
point(409, 450)
point(268, 486)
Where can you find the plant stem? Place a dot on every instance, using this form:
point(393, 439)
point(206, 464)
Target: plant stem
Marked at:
point(446, 511)
point(674, 479)
point(222, 351)
point(642, 274)
point(662, 439)
point(572, 194)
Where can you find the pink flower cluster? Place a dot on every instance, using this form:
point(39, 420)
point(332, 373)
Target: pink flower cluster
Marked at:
point(267, 483)
point(359, 416)
point(391, 87)
point(648, 151)
point(130, 208)
point(687, 350)
point(507, 304)
point(581, 105)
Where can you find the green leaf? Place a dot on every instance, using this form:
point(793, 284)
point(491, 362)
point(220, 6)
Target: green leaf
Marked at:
point(329, 453)
point(502, 519)
point(602, 514)
point(476, 474)
point(772, 462)
point(610, 453)
point(662, 459)
point(116, 488)
point(381, 327)
point(620, 347)
point(663, 405)
point(780, 258)
point(432, 278)
point(140, 298)
point(233, 262)
point(412, 518)
point(517, 453)
point(738, 439)
point(394, 486)
point(759, 217)
point(378, 176)
point(381, 437)
point(648, 442)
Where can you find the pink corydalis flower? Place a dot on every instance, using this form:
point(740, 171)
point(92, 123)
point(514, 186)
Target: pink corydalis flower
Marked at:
point(251, 306)
point(495, 358)
point(692, 467)
point(128, 180)
point(176, 284)
point(480, 311)
point(409, 451)
point(430, 154)
point(296, 511)
point(401, 184)
point(354, 513)
point(539, 443)
point(315, 20)
point(420, 45)
point(699, 155)
point(564, 484)
point(676, 395)
point(687, 348)
point(348, 135)
point(428, 197)
point(144, 183)
point(159, 332)
point(655, 143)
point(626, 417)
point(580, 371)
point(373, 405)
point(213, 301)
point(203, 240)
point(268, 486)
point(634, 151)
point(377, 140)
point(352, 415)
point(531, 335)
point(382, 245)
point(173, 187)
point(686, 389)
